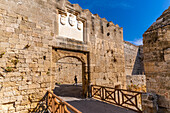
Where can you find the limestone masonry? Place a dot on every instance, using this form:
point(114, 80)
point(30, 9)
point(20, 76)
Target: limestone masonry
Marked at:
point(41, 39)
point(134, 68)
point(157, 63)
point(44, 43)
point(133, 59)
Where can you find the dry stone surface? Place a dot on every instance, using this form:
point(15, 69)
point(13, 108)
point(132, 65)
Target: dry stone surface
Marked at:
point(29, 34)
point(156, 60)
point(133, 59)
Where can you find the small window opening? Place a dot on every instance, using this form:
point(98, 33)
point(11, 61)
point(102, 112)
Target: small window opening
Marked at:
point(108, 34)
point(101, 26)
point(92, 18)
point(102, 29)
point(44, 57)
point(108, 25)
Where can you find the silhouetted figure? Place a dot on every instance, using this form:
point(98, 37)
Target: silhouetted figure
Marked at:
point(75, 80)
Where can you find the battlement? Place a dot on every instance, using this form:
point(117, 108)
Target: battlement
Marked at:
point(44, 42)
point(97, 26)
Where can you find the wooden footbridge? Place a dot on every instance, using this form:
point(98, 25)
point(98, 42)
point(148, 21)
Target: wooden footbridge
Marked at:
point(104, 99)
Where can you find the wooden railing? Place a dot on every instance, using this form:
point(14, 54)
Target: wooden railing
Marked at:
point(57, 105)
point(124, 98)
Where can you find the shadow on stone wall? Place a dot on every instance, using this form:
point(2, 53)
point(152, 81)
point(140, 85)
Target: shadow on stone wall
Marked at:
point(138, 68)
point(41, 106)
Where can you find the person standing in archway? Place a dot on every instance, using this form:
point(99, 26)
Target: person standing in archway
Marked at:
point(75, 80)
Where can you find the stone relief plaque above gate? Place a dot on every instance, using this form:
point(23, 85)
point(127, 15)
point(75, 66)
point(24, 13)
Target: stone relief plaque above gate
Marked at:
point(63, 19)
point(80, 25)
point(72, 21)
point(70, 26)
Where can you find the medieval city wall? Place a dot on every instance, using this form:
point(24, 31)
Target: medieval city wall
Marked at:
point(134, 69)
point(136, 82)
point(157, 64)
point(29, 32)
point(133, 59)
point(26, 28)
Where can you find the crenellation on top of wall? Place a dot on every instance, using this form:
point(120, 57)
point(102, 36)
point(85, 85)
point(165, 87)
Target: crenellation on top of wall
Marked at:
point(156, 42)
point(161, 22)
point(104, 19)
point(117, 25)
point(105, 29)
point(86, 13)
point(31, 31)
point(110, 23)
point(96, 15)
point(98, 26)
point(77, 7)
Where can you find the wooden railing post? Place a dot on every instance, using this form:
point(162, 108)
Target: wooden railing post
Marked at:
point(102, 93)
point(122, 98)
point(92, 91)
point(62, 107)
point(118, 94)
point(136, 101)
point(57, 105)
point(53, 108)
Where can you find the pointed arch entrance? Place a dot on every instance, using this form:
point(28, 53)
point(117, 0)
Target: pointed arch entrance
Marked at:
point(81, 63)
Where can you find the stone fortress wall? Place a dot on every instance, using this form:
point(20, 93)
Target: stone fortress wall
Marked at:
point(66, 70)
point(29, 37)
point(130, 52)
point(157, 64)
point(134, 68)
point(133, 59)
point(136, 82)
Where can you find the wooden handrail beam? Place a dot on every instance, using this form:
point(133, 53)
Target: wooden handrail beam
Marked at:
point(61, 105)
point(118, 89)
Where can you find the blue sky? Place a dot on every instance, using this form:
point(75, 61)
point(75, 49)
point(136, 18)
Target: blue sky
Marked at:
point(135, 16)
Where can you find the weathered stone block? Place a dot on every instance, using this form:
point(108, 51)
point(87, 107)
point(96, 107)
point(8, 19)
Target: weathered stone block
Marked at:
point(10, 29)
point(23, 87)
point(156, 59)
point(32, 86)
point(30, 38)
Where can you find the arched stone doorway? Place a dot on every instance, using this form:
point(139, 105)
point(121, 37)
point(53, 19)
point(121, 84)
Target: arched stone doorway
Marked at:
point(67, 64)
point(67, 68)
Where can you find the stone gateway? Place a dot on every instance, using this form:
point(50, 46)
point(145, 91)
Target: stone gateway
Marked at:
point(36, 36)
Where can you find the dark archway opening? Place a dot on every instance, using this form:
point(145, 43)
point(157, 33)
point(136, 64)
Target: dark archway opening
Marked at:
point(66, 70)
point(75, 58)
